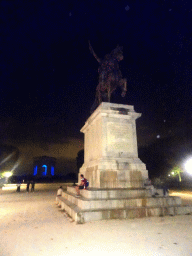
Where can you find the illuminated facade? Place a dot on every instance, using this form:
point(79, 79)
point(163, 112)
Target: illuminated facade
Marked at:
point(44, 166)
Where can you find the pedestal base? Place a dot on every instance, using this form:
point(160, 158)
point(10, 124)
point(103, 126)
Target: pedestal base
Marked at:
point(102, 204)
point(116, 173)
point(110, 148)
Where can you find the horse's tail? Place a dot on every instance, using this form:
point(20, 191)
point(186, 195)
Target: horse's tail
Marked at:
point(124, 88)
point(94, 106)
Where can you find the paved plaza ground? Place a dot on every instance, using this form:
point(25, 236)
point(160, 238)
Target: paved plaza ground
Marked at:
point(32, 224)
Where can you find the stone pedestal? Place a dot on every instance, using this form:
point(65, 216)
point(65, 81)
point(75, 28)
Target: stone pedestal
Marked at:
point(115, 173)
point(110, 148)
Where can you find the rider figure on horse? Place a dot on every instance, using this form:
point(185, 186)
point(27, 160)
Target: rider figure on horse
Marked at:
point(109, 74)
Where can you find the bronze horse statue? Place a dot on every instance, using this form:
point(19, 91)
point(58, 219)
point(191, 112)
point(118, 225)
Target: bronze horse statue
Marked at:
point(109, 75)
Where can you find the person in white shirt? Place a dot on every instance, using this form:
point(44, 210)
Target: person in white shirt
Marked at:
point(59, 191)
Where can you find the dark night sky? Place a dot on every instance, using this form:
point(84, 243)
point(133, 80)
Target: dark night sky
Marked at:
point(48, 76)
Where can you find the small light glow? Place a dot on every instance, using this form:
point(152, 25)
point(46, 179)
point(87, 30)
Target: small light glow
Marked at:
point(172, 173)
point(127, 8)
point(188, 166)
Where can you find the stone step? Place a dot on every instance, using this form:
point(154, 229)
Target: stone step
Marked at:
point(72, 209)
point(114, 193)
point(82, 216)
point(87, 203)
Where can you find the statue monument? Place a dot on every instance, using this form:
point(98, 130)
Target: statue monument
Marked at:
point(115, 173)
point(110, 76)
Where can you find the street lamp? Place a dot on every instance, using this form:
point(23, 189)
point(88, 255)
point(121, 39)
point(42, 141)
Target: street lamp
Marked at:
point(188, 165)
point(177, 170)
point(7, 174)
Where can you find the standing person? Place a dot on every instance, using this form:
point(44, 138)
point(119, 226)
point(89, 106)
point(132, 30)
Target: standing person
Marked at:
point(28, 184)
point(18, 186)
point(165, 189)
point(32, 186)
point(83, 185)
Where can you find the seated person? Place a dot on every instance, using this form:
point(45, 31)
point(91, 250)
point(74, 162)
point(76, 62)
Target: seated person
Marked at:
point(147, 182)
point(83, 185)
point(149, 186)
point(59, 191)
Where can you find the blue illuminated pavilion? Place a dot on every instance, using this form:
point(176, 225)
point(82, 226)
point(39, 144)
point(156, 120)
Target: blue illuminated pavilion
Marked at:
point(44, 166)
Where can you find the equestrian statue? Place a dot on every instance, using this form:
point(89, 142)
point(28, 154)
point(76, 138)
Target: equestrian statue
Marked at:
point(110, 76)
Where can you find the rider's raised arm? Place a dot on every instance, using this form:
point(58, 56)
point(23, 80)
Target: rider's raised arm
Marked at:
point(94, 54)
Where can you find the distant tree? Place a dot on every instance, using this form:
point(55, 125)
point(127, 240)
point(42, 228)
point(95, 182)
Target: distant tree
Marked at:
point(72, 177)
point(163, 155)
point(176, 171)
point(80, 158)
